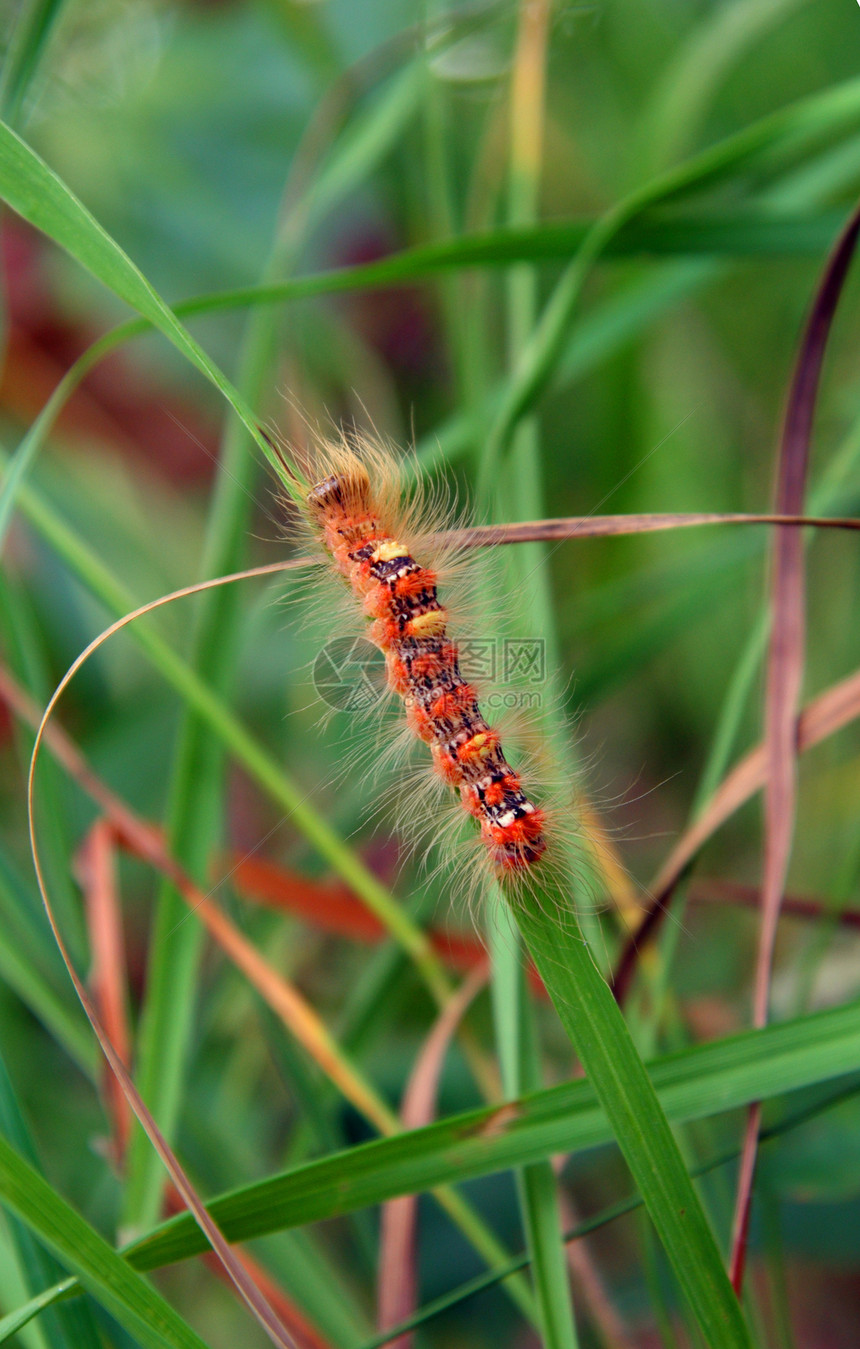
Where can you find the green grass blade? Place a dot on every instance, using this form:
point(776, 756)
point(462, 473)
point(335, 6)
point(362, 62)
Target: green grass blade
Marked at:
point(772, 141)
point(366, 143)
point(744, 233)
point(27, 45)
point(37, 994)
point(516, 1028)
point(536, 1183)
point(692, 1084)
point(741, 234)
point(22, 971)
point(541, 1214)
point(25, 661)
point(104, 1273)
point(67, 1327)
point(40, 196)
point(361, 146)
point(18, 1319)
point(681, 97)
point(597, 1030)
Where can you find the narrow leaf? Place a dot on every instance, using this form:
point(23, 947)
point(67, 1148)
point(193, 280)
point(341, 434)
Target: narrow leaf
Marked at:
point(596, 1028)
point(37, 194)
point(785, 669)
point(104, 1273)
point(692, 1084)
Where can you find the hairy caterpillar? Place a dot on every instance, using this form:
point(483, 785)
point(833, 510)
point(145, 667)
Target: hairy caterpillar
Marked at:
point(355, 510)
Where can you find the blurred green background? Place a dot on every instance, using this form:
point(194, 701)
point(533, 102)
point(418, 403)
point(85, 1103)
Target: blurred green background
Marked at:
point(227, 143)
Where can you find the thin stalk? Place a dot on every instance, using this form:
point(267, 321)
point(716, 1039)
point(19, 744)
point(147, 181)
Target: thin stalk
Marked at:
point(516, 1032)
point(299, 1018)
point(786, 656)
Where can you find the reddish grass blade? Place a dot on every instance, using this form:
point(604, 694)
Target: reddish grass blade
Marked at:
point(709, 890)
point(96, 870)
point(397, 1288)
point(331, 906)
point(832, 710)
point(250, 1294)
point(144, 840)
point(605, 526)
point(785, 673)
point(306, 1335)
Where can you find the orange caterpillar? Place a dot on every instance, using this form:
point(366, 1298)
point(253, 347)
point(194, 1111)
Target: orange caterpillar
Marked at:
point(355, 523)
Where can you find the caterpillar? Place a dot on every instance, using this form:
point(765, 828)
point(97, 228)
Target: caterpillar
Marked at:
point(355, 511)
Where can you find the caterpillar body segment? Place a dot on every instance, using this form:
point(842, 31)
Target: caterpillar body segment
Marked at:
point(410, 626)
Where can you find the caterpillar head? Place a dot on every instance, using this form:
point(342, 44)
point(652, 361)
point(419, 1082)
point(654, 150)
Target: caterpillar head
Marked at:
point(344, 493)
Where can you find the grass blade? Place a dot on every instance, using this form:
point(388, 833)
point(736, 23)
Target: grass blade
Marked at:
point(22, 970)
point(516, 1029)
point(27, 44)
point(785, 672)
point(596, 1028)
point(680, 100)
point(691, 1084)
point(39, 196)
point(837, 707)
point(103, 1272)
point(18, 1319)
point(771, 140)
point(67, 1328)
point(397, 1279)
point(608, 1215)
point(196, 788)
point(742, 234)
